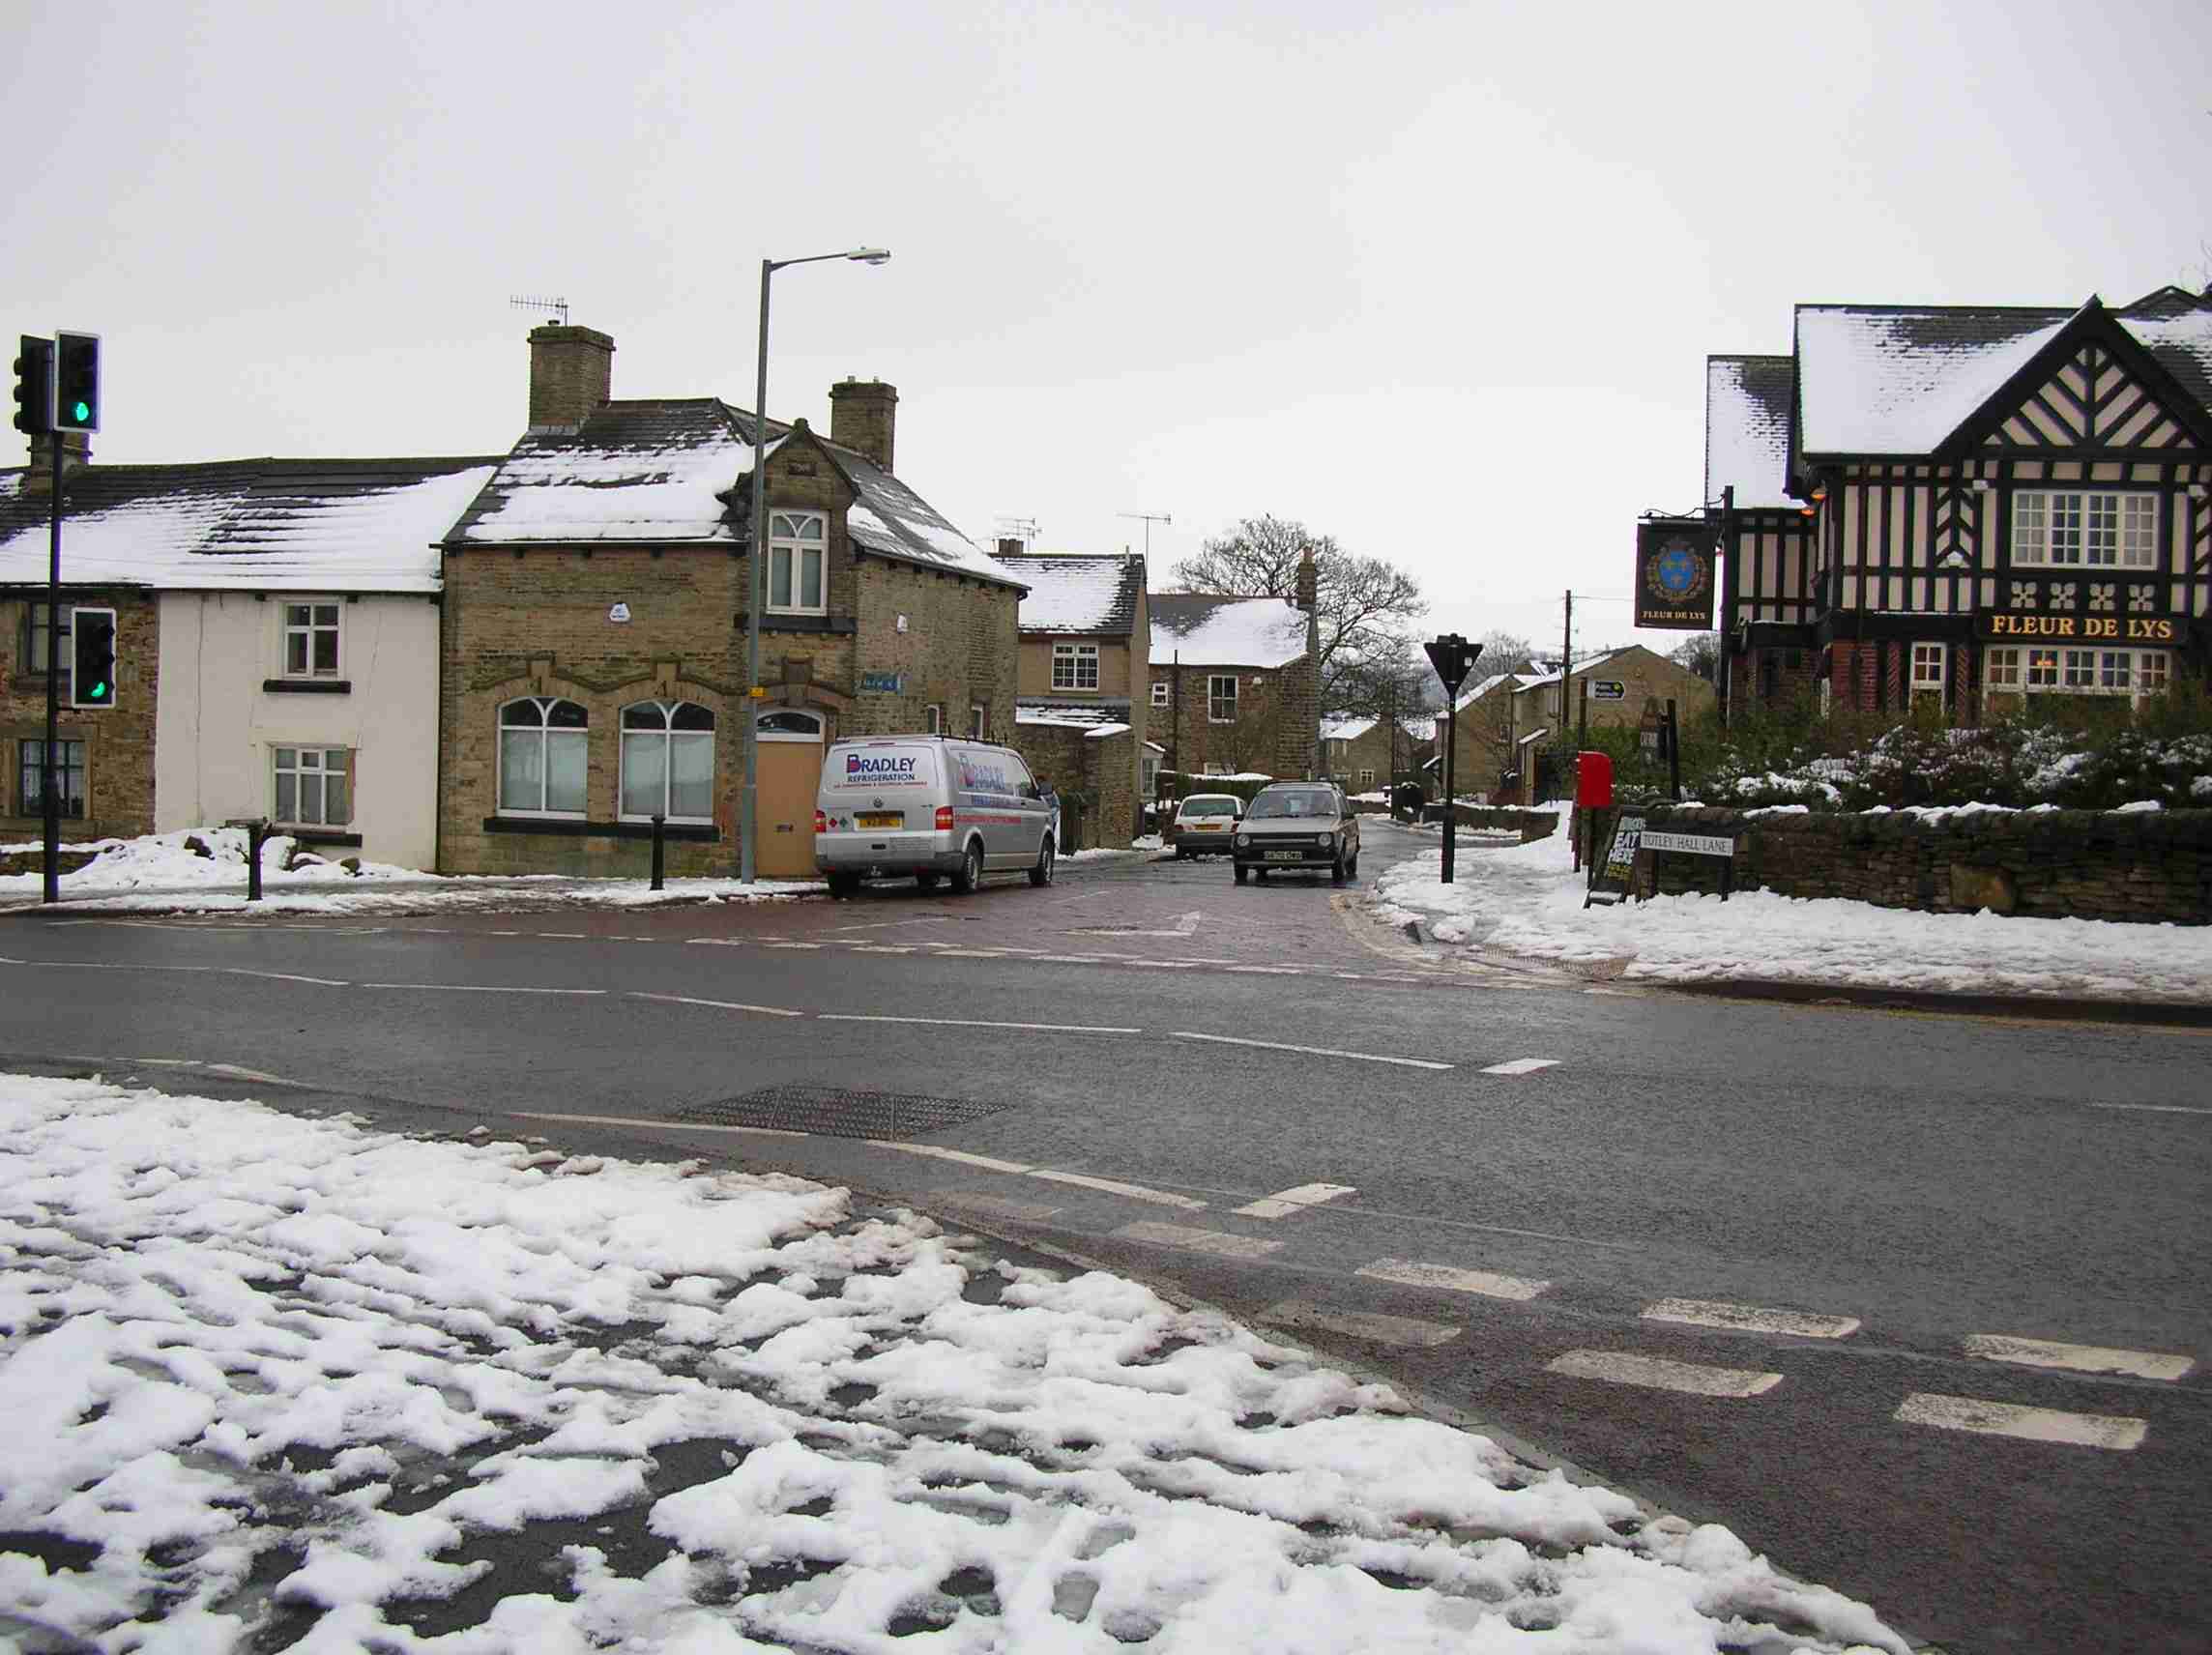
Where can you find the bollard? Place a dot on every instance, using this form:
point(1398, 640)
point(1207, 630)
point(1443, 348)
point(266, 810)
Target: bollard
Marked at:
point(660, 856)
point(256, 833)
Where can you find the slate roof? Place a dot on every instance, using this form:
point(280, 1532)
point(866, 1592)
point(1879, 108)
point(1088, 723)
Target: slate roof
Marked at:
point(672, 472)
point(1092, 595)
point(254, 524)
point(1747, 430)
point(1208, 630)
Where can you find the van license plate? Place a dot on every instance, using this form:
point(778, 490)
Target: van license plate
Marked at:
point(1286, 855)
point(881, 819)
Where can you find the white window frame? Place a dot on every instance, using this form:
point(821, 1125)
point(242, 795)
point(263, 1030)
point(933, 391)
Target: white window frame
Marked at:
point(666, 737)
point(545, 731)
point(2084, 528)
point(2063, 669)
point(319, 774)
point(1080, 662)
point(1216, 700)
point(30, 773)
point(308, 632)
point(1160, 692)
point(1930, 667)
point(935, 711)
point(979, 722)
point(787, 545)
point(1366, 781)
point(36, 630)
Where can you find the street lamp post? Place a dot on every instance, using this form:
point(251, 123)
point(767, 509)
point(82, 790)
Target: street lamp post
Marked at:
point(749, 793)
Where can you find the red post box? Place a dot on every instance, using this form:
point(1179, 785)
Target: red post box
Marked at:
point(1594, 781)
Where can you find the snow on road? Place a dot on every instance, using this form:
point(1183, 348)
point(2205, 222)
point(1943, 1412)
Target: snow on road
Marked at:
point(269, 1375)
point(1526, 899)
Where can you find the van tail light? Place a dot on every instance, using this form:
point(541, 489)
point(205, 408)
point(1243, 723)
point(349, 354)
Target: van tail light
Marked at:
point(944, 818)
point(820, 823)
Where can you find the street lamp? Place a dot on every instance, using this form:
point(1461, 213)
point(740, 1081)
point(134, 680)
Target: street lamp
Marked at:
point(748, 796)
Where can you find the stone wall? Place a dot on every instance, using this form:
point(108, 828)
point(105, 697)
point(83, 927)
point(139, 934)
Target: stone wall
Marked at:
point(1102, 769)
point(2087, 864)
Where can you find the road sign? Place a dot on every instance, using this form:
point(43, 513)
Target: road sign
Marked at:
point(1607, 689)
point(1453, 657)
point(1690, 844)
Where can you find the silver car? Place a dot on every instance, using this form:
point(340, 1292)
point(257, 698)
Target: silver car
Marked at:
point(1302, 824)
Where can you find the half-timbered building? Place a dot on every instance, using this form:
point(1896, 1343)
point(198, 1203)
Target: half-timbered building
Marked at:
point(1961, 506)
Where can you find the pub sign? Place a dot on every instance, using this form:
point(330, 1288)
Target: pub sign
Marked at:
point(1674, 573)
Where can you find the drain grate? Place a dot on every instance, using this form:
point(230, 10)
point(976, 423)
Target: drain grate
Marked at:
point(839, 1112)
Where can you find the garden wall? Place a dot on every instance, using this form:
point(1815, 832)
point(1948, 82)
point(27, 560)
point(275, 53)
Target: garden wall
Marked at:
point(2136, 865)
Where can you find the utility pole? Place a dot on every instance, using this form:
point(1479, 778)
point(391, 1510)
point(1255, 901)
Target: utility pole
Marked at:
point(1567, 661)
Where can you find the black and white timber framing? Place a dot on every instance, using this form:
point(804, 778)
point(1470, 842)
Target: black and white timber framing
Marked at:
point(1966, 503)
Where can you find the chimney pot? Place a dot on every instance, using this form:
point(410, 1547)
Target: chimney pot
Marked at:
point(863, 415)
point(572, 375)
point(1010, 546)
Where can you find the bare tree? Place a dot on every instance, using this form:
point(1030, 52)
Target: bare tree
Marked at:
point(1365, 605)
point(1701, 653)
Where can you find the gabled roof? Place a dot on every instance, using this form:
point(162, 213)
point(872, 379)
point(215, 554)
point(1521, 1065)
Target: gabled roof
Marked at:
point(258, 524)
point(1902, 380)
point(1747, 430)
point(1094, 596)
point(1343, 729)
point(671, 472)
point(1205, 630)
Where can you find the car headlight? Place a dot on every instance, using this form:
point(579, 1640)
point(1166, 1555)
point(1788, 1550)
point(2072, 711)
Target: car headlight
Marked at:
point(1243, 838)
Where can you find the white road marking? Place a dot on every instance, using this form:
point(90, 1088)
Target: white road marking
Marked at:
point(792, 945)
point(1113, 1186)
point(976, 1023)
point(1309, 1050)
point(2080, 1359)
point(1283, 1202)
point(1522, 1066)
point(1411, 1273)
point(669, 1125)
point(716, 1004)
point(1748, 1319)
point(483, 988)
point(944, 953)
point(237, 1073)
point(937, 1152)
point(1071, 959)
point(1360, 1323)
point(1656, 1373)
point(565, 936)
point(881, 948)
point(1190, 1240)
point(2119, 1432)
point(1271, 970)
point(284, 976)
point(709, 942)
point(2155, 1108)
point(1167, 965)
point(998, 1207)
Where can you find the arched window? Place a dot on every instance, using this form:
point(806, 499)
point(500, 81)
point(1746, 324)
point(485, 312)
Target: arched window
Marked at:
point(667, 762)
point(787, 724)
point(543, 749)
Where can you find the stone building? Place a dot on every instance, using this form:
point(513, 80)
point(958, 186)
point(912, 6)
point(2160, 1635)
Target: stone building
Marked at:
point(1366, 755)
point(1235, 683)
point(597, 606)
point(276, 647)
point(1082, 685)
point(1959, 507)
point(1506, 723)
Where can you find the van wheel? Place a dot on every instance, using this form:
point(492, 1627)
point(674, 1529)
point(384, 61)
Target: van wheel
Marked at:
point(1242, 873)
point(844, 884)
point(970, 871)
point(1259, 874)
point(1041, 873)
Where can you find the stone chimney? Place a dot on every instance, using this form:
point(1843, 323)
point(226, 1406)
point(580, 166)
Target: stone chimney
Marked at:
point(863, 415)
point(1010, 546)
point(1309, 582)
point(39, 472)
point(572, 373)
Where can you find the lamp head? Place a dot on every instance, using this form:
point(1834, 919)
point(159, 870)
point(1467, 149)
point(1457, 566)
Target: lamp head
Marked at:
point(870, 255)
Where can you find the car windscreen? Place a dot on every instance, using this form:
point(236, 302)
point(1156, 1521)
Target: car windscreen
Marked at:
point(881, 765)
point(1216, 805)
point(1289, 804)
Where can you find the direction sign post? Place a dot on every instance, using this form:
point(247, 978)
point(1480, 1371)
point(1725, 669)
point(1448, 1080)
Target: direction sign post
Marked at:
point(1453, 657)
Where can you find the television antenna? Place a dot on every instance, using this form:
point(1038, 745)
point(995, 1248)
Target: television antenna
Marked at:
point(1024, 529)
point(1149, 518)
point(523, 302)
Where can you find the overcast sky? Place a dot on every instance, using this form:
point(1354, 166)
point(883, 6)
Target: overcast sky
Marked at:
point(1439, 281)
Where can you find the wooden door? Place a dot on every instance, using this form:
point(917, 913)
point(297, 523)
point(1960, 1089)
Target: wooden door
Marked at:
point(790, 773)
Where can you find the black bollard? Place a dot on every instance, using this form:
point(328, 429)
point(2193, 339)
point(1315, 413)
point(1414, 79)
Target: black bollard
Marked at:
point(660, 856)
point(256, 832)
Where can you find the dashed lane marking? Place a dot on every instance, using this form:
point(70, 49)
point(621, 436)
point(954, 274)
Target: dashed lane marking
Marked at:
point(2155, 1108)
point(1657, 1373)
point(716, 1004)
point(1113, 1186)
point(1360, 1325)
point(2079, 1358)
point(1522, 1066)
point(997, 1207)
point(483, 988)
point(1412, 1273)
point(792, 945)
point(1283, 1202)
point(1748, 1319)
point(881, 948)
point(1309, 1050)
point(941, 953)
point(1269, 970)
point(937, 1152)
point(567, 936)
point(1214, 1241)
point(2119, 1433)
point(977, 1023)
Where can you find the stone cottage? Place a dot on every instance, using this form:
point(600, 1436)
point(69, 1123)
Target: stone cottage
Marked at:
point(1235, 683)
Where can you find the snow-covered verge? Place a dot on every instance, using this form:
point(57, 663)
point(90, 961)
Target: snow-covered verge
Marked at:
point(277, 1380)
point(1526, 899)
point(162, 873)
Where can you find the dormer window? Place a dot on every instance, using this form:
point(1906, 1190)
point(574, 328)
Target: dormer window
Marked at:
point(797, 562)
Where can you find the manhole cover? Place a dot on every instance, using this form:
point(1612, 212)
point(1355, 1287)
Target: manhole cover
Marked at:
point(837, 1112)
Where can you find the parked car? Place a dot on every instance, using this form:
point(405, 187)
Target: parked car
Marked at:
point(1297, 825)
point(1204, 824)
point(929, 807)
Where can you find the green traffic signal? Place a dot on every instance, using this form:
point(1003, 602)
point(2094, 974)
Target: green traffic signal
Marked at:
point(80, 411)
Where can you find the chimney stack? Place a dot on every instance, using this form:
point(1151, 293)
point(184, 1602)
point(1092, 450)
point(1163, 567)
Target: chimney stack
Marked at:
point(39, 474)
point(572, 375)
point(1010, 546)
point(863, 415)
point(1309, 582)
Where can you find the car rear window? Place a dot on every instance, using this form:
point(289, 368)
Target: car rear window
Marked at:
point(881, 764)
point(1217, 806)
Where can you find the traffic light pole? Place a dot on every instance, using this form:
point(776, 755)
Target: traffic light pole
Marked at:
point(49, 776)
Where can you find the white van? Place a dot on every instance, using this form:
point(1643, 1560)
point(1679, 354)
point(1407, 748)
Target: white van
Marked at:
point(932, 807)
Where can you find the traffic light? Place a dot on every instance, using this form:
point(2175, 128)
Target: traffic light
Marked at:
point(35, 387)
point(93, 633)
point(76, 381)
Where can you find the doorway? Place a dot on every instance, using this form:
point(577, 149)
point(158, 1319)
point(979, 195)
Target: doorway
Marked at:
point(789, 772)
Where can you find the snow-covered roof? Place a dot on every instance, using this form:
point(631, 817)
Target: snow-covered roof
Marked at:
point(276, 524)
point(1747, 430)
point(1078, 593)
point(670, 471)
point(1537, 680)
point(1900, 380)
point(1468, 697)
point(1346, 729)
point(1201, 630)
point(1071, 715)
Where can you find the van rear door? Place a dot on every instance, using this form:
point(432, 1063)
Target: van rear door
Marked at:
point(882, 786)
